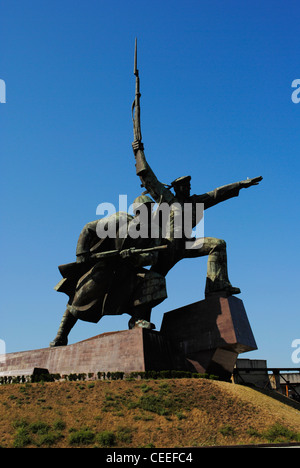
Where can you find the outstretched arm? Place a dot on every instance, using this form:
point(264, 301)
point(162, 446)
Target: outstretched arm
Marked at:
point(248, 182)
point(225, 192)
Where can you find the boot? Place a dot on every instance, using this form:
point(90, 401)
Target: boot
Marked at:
point(67, 323)
point(142, 315)
point(217, 281)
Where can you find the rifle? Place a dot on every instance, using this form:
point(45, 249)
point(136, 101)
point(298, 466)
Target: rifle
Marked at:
point(75, 269)
point(135, 109)
point(128, 252)
point(137, 144)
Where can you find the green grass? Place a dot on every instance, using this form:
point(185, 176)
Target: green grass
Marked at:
point(124, 434)
point(22, 438)
point(106, 438)
point(81, 437)
point(135, 414)
point(156, 404)
point(36, 433)
point(227, 430)
point(279, 433)
point(39, 427)
point(276, 434)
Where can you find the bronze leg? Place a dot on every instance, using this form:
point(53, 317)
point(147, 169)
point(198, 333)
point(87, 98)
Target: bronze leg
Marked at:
point(67, 323)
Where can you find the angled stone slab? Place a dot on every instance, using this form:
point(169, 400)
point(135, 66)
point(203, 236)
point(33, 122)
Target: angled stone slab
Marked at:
point(210, 333)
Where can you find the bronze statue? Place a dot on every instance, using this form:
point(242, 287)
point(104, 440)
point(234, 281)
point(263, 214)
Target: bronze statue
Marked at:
point(109, 277)
point(217, 276)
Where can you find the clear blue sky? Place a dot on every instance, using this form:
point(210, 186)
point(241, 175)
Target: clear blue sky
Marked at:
point(216, 103)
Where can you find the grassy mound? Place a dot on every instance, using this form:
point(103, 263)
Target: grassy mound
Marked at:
point(138, 413)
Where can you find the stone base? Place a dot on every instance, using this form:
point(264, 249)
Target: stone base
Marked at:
point(124, 351)
point(206, 336)
point(210, 334)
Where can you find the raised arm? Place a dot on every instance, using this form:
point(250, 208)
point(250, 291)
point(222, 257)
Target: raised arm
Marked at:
point(158, 191)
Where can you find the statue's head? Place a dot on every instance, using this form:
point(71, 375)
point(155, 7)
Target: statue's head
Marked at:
point(182, 186)
point(142, 201)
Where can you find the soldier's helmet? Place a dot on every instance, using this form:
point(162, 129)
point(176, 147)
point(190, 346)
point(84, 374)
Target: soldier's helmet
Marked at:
point(141, 200)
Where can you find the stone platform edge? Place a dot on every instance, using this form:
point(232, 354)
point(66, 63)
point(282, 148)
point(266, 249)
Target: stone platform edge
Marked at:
point(204, 336)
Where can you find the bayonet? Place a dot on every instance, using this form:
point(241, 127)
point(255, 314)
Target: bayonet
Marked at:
point(135, 70)
point(137, 134)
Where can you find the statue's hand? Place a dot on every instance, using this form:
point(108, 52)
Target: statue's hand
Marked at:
point(137, 145)
point(249, 182)
point(125, 254)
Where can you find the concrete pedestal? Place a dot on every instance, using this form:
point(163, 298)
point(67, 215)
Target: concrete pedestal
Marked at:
point(210, 334)
point(206, 336)
point(124, 351)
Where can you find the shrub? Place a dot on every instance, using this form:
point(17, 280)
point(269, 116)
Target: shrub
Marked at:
point(124, 434)
point(106, 438)
point(22, 438)
point(152, 374)
point(49, 439)
point(59, 425)
point(72, 377)
point(39, 428)
point(227, 430)
point(253, 432)
point(170, 374)
point(145, 388)
point(117, 375)
point(81, 437)
point(155, 404)
point(278, 433)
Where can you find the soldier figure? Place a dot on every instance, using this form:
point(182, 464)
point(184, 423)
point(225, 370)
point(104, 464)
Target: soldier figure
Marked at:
point(217, 280)
point(109, 277)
